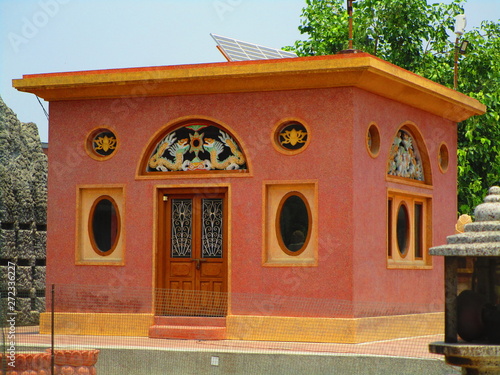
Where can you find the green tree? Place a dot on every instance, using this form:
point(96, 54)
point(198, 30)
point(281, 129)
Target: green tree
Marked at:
point(479, 136)
point(416, 36)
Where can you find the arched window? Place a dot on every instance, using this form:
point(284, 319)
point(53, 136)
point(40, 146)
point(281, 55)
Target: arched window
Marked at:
point(409, 214)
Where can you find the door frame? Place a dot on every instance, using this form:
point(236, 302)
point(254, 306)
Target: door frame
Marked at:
point(158, 220)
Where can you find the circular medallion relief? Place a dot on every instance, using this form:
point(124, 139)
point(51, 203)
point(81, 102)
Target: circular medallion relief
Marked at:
point(291, 137)
point(101, 144)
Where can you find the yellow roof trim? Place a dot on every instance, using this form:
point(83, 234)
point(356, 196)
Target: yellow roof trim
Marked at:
point(356, 70)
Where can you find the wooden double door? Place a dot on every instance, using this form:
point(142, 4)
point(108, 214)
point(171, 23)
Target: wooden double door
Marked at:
point(192, 252)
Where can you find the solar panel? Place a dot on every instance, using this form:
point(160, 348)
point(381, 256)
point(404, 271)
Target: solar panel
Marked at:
point(237, 50)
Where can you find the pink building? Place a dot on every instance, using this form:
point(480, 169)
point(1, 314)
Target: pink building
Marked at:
point(321, 178)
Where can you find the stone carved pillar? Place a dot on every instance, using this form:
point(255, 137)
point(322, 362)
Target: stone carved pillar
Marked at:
point(23, 215)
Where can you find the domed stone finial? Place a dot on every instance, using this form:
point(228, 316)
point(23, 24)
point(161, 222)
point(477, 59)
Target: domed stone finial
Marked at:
point(479, 238)
point(490, 209)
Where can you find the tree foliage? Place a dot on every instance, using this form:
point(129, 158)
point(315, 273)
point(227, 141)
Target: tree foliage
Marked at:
point(479, 136)
point(419, 37)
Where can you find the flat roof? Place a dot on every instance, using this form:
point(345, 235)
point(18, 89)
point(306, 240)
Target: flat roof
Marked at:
point(360, 70)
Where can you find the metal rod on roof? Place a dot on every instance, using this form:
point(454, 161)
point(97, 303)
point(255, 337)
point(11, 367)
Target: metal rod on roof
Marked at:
point(41, 105)
point(223, 53)
point(460, 23)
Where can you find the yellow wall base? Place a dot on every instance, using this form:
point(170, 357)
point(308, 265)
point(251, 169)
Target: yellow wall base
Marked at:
point(260, 328)
point(333, 330)
point(105, 324)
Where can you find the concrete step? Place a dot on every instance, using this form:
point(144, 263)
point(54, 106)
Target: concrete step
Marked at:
point(188, 328)
point(187, 332)
point(190, 321)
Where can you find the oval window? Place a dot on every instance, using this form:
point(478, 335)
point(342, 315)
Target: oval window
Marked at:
point(293, 223)
point(104, 225)
point(403, 229)
point(443, 158)
point(373, 140)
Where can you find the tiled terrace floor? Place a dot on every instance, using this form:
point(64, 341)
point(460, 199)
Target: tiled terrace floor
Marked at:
point(414, 347)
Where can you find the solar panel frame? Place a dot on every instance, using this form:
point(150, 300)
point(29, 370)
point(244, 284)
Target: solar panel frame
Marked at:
point(237, 50)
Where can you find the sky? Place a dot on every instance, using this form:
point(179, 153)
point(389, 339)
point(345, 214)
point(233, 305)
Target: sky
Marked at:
point(44, 36)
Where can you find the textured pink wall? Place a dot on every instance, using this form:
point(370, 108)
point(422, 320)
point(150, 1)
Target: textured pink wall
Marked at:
point(352, 189)
point(372, 281)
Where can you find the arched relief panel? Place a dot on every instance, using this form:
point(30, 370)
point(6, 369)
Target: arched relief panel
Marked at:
point(408, 158)
point(198, 147)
